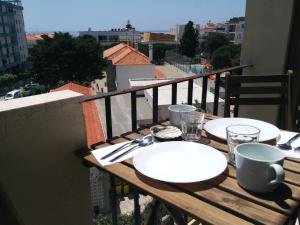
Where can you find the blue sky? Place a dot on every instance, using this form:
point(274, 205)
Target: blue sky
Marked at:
point(74, 15)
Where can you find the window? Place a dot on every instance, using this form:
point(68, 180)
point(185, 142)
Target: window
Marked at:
point(102, 38)
point(114, 38)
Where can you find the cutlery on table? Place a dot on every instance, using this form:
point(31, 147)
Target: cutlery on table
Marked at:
point(287, 145)
point(148, 140)
point(136, 141)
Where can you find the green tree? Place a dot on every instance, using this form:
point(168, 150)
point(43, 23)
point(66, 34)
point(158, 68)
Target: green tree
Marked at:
point(8, 79)
point(159, 50)
point(213, 42)
point(189, 41)
point(65, 58)
point(226, 56)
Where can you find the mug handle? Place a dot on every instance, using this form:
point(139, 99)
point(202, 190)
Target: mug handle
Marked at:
point(278, 172)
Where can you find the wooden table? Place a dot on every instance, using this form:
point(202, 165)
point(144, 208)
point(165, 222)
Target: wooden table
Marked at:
point(217, 201)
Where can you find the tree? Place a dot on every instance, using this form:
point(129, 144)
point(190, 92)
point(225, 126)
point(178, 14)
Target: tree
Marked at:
point(65, 58)
point(8, 79)
point(213, 42)
point(236, 19)
point(226, 56)
point(189, 41)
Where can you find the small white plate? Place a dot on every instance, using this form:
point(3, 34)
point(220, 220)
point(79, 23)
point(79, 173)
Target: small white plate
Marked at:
point(217, 127)
point(180, 162)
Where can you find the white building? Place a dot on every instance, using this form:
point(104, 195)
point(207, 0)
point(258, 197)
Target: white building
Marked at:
point(12, 34)
point(165, 96)
point(126, 63)
point(106, 38)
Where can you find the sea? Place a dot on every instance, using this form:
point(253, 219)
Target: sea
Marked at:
point(76, 33)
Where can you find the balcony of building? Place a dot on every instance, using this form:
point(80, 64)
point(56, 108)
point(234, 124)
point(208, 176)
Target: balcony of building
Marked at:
point(43, 138)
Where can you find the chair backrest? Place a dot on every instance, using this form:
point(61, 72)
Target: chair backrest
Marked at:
point(263, 90)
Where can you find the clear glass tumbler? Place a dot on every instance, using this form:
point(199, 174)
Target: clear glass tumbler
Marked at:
point(191, 126)
point(238, 134)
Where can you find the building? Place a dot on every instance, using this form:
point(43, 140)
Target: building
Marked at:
point(32, 38)
point(178, 30)
point(239, 32)
point(126, 63)
point(12, 34)
point(158, 37)
point(234, 30)
point(127, 34)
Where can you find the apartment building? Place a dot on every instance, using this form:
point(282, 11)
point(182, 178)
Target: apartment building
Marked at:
point(128, 34)
point(12, 34)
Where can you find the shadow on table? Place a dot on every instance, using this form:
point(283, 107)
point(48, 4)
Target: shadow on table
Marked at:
point(279, 195)
point(179, 187)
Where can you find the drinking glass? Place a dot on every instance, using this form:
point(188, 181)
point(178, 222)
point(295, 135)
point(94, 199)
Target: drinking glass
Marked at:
point(191, 126)
point(238, 134)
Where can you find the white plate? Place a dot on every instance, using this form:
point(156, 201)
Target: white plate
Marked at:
point(217, 127)
point(180, 162)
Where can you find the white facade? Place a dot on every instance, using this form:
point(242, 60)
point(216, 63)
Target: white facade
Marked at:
point(107, 38)
point(239, 32)
point(125, 73)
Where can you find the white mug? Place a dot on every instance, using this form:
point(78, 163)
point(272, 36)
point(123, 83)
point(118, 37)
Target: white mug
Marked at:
point(259, 167)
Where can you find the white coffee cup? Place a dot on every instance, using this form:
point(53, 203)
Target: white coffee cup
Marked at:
point(259, 167)
point(176, 111)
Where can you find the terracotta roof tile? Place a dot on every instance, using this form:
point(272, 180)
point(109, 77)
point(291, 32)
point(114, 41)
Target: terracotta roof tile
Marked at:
point(123, 54)
point(94, 131)
point(108, 52)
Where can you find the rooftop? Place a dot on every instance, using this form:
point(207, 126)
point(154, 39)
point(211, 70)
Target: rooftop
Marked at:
point(123, 54)
point(37, 36)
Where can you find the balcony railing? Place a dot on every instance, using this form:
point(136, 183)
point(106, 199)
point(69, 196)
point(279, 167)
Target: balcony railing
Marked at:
point(154, 87)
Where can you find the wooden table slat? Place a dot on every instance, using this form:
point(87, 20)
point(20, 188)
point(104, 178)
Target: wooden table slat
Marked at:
point(191, 205)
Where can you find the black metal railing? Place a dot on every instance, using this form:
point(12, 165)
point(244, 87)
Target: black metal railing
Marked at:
point(154, 87)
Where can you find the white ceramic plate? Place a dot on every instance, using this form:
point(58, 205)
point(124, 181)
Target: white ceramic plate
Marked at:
point(180, 162)
point(217, 127)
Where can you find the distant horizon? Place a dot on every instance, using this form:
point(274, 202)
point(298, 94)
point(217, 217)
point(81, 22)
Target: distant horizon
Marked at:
point(156, 15)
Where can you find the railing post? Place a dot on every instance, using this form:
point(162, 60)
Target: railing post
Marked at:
point(133, 111)
point(155, 105)
point(217, 93)
point(204, 92)
point(108, 117)
point(113, 200)
point(137, 208)
point(174, 94)
point(190, 92)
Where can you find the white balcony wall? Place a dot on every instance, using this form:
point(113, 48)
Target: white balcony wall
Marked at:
point(40, 175)
point(124, 73)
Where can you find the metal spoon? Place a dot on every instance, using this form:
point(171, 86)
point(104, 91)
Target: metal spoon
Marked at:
point(148, 140)
point(287, 145)
point(136, 141)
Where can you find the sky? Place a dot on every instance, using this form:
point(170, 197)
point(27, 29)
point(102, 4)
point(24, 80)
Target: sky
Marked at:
point(145, 15)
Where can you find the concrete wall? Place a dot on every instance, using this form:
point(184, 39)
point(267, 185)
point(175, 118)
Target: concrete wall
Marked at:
point(39, 173)
point(265, 45)
point(124, 73)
